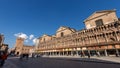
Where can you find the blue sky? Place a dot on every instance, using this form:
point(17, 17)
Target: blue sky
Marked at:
point(37, 17)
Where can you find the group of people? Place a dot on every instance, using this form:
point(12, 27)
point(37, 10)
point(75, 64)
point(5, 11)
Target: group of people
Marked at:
point(24, 56)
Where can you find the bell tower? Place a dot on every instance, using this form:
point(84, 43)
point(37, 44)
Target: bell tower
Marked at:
point(19, 45)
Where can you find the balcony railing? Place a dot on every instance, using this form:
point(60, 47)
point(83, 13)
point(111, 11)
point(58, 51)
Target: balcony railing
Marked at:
point(77, 46)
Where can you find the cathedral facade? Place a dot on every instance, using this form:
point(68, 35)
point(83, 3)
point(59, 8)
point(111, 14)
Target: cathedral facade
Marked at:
point(101, 37)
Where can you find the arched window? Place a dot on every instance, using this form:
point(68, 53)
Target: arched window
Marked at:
point(99, 22)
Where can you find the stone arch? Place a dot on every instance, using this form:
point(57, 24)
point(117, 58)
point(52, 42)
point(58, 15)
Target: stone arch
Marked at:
point(99, 29)
point(111, 37)
point(118, 34)
point(94, 30)
point(104, 27)
point(113, 33)
point(109, 26)
point(112, 25)
point(18, 53)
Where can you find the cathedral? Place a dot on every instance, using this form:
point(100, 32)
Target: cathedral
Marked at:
point(101, 37)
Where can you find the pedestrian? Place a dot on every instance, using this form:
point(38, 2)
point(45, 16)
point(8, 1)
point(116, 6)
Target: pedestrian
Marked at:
point(3, 57)
point(27, 56)
point(116, 55)
point(88, 55)
point(81, 54)
point(21, 57)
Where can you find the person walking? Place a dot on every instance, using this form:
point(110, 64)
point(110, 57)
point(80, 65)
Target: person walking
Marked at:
point(88, 55)
point(3, 57)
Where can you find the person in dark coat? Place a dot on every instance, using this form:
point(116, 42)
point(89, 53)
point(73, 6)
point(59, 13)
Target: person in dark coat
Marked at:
point(3, 57)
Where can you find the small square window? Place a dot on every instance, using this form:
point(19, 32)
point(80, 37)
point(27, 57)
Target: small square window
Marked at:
point(99, 22)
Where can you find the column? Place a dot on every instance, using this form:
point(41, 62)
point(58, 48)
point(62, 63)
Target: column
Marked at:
point(106, 52)
point(98, 54)
point(63, 53)
point(76, 52)
point(117, 53)
point(89, 53)
point(82, 53)
point(50, 53)
point(71, 53)
point(59, 53)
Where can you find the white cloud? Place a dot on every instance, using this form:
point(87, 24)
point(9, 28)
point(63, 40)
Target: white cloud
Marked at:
point(28, 39)
point(31, 36)
point(21, 35)
point(34, 40)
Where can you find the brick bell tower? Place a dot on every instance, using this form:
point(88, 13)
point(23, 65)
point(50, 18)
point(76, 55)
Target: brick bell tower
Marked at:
point(19, 45)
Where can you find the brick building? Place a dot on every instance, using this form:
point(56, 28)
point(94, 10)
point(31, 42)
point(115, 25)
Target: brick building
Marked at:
point(1, 39)
point(3, 46)
point(101, 36)
point(20, 48)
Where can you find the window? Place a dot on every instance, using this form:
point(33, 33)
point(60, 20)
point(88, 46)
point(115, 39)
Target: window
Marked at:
point(44, 39)
point(62, 34)
point(99, 22)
